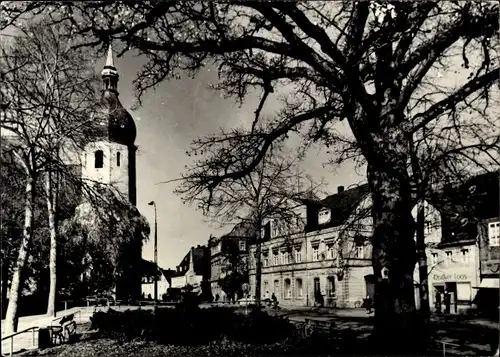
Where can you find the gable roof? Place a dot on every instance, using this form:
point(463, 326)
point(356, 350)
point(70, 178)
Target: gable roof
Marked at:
point(343, 203)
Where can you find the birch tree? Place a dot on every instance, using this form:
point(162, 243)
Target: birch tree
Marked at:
point(389, 69)
point(50, 89)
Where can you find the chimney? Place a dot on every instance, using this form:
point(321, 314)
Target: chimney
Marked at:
point(340, 189)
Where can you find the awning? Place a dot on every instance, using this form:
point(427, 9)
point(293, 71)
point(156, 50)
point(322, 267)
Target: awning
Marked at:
point(489, 283)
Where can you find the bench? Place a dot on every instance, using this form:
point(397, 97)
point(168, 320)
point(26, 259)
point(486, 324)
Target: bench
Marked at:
point(64, 331)
point(320, 325)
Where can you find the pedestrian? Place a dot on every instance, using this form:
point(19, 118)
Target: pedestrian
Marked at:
point(368, 304)
point(446, 302)
point(438, 302)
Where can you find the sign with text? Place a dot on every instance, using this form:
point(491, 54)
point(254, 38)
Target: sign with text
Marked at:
point(450, 277)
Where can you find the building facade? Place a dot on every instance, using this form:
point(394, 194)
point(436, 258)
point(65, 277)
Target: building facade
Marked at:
point(227, 253)
point(329, 263)
point(193, 271)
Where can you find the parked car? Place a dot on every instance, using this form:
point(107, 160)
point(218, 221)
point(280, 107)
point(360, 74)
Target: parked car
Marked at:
point(98, 300)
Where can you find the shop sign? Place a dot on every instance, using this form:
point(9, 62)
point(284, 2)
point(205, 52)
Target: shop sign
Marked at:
point(448, 277)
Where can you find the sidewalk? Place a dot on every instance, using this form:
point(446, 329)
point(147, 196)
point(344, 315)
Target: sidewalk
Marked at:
point(29, 339)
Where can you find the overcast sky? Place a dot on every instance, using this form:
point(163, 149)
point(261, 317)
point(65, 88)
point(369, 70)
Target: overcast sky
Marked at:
point(170, 117)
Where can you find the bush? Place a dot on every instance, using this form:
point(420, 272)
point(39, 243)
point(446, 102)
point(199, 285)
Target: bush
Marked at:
point(188, 325)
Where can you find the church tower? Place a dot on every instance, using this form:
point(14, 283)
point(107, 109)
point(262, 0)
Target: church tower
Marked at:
point(109, 158)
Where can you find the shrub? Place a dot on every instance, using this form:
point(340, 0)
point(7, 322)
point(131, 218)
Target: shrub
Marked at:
point(188, 324)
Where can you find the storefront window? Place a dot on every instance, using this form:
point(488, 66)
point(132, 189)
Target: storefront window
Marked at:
point(464, 292)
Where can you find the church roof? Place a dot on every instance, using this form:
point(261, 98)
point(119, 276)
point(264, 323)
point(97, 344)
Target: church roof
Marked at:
point(113, 121)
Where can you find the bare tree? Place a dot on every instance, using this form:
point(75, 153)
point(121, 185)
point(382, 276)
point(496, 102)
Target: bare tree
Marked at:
point(271, 192)
point(384, 67)
point(51, 91)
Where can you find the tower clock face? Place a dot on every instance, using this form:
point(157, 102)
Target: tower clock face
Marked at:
point(324, 216)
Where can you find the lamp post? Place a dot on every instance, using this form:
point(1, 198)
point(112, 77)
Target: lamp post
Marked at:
point(152, 203)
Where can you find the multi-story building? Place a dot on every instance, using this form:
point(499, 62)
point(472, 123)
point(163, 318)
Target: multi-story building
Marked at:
point(486, 193)
point(329, 262)
point(458, 226)
point(194, 270)
point(229, 249)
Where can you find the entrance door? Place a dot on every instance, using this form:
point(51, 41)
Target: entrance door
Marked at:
point(317, 291)
point(370, 286)
point(452, 290)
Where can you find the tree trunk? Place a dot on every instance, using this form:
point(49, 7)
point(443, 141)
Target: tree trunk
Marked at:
point(11, 318)
point(258, 268)
point(49, 193)
point(395, 323)
point(422, 262)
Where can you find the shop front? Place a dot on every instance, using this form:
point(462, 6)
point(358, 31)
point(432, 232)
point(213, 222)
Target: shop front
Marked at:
point(452, 288)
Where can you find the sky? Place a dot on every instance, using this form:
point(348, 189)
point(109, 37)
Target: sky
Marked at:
point(170, 117)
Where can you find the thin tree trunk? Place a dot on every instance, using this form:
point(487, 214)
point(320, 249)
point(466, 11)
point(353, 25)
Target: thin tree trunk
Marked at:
point(11, 316)
point(258, 267)
point(395, 323)
point(422, 262)
point(49, 194)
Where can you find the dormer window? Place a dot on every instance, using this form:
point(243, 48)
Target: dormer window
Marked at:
point(99, 159)
point(324, 216)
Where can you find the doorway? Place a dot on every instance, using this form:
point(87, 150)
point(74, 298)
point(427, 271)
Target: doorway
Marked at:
point(452, 290)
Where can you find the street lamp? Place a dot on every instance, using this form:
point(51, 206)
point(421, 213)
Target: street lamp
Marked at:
point(152, 203)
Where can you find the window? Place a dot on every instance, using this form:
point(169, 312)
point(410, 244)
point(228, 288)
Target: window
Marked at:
point(118, 154)
point(265, 261)
point(428, 227)
point(276, 288)
point(449, 257)
point(288, 289)
point(494, 234)
point(298, 287)
point(330, 292)
point(315, 253)
point(434, 259)
point(298, 255)
point(275, 259)
point(359, 251)
point(330, 251)
point(243, 246)
point(284, 257)
point(465, 256)
point(99, 159)
point(266, 289)
point(464, 292)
